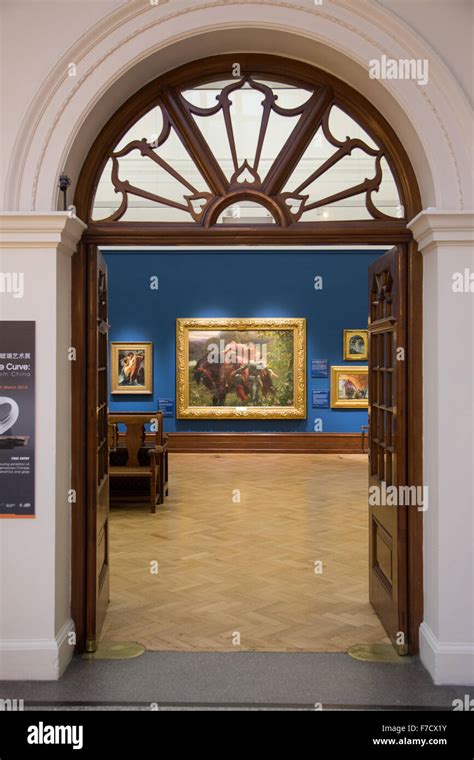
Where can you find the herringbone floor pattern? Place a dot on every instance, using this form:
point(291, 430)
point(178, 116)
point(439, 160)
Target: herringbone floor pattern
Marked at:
point(230, 568)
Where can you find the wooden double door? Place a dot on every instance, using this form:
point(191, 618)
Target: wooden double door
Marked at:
point(393, 532)
point(388, 443)
point(90, 516)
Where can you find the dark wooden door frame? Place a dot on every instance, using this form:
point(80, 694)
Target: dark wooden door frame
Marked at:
point(414, 398)
point(375, 231)
point(97, 454)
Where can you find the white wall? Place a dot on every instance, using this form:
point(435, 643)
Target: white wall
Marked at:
point(447, 27)
point(447, 632)
point(25, 25)
point(35, 554)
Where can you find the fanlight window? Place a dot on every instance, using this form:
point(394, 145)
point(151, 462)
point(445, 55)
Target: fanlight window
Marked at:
point(246, 212)
point(247, 151)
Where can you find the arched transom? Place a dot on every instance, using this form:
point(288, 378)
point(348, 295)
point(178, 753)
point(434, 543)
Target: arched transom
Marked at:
point(247, 150)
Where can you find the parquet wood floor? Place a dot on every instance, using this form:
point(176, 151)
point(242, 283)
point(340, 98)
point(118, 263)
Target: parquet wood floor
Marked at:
point(228, 567)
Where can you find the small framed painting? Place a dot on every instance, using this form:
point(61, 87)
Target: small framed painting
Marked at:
point(349, 387)
point(131, 367)
point(356, 345)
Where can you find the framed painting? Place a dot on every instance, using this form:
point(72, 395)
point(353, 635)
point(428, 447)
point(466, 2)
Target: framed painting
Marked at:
point(131, 367)
point(356, 345)
point(241, 368)
point(349, 387)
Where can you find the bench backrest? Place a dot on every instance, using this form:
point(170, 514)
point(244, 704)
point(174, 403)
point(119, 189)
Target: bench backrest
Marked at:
point(134, 436)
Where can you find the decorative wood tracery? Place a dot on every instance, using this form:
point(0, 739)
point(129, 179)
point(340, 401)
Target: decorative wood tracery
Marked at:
point(286, 205)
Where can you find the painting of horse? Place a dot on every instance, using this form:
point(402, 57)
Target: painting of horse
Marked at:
point(241, 370)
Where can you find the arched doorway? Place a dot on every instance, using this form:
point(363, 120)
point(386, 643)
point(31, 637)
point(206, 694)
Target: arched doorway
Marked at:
point(280, 196)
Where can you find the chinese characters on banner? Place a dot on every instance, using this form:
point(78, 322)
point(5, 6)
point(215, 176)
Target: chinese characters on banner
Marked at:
point(17, 419)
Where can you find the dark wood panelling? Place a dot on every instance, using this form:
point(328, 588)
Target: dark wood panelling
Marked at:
point(97, 505)
point(414, 402)
point(285, 443)
point(78, 444)
point(361, 232)
point(388, 587)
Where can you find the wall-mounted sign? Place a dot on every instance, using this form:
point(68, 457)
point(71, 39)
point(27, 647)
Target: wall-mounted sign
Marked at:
point(17, 419)
point(166, 406)
point(319, 368)
point(320, 399)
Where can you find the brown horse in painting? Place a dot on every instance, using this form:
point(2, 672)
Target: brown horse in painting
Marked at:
point(221, 378)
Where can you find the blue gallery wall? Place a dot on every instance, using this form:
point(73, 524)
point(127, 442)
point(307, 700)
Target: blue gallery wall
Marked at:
point(238, 283)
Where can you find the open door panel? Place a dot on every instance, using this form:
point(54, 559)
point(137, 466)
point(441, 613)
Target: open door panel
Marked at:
point(387, 443)
point(97, 511)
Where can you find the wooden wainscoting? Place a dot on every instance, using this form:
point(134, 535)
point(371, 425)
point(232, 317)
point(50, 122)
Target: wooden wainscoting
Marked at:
point(270, 443)
point(249, 443)
point(284, 443)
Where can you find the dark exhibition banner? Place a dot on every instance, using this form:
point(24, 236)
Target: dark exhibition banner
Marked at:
point(17, 419)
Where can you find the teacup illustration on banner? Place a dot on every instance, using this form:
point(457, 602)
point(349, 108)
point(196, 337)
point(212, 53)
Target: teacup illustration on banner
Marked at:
point(9, 413)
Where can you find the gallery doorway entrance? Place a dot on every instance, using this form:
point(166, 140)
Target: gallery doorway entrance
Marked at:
point(274, 195)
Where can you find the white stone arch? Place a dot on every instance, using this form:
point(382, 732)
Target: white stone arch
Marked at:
point(140, 41)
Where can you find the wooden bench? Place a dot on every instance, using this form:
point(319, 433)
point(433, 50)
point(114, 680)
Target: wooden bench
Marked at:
point(137, 454)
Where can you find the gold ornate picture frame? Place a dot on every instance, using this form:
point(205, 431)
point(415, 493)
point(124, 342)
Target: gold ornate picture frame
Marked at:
point(349, 387)
point(356, 345)
point(131, 367)
point(241, 368)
